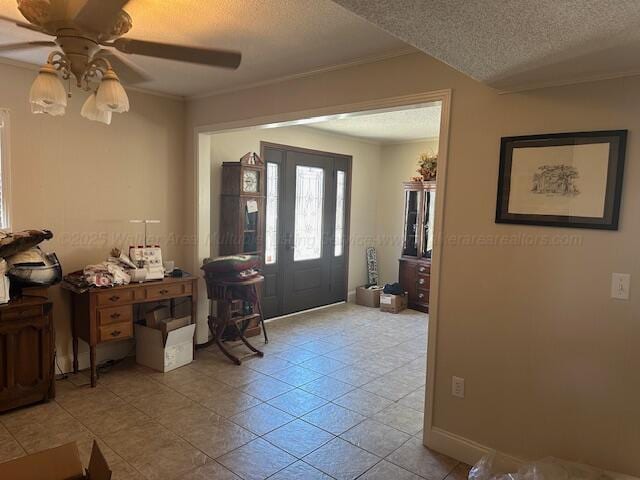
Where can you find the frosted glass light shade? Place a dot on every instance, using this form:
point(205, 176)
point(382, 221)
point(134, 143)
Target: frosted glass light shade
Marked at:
point(48, 92)
point(91, 111)
point(53, 110)
point(111, 97)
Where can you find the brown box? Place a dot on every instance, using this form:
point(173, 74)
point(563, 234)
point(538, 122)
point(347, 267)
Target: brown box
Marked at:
point(369, 297)
point(393, 303)
point(60, 463)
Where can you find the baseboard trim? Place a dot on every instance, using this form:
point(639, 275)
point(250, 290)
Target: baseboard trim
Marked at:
point(115, 351)
point(466, 450)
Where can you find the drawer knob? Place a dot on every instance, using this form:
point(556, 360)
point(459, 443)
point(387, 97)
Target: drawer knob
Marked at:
point(422, 269)
point(115, 333)
point(421, 295)
point(421, 281)
point(115, 315)
point(114, 298)
point(164, 292)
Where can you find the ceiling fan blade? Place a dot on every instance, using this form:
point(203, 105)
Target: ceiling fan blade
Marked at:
point(57, 9)
point(25, 45)
point(127, 72)
point(202, 56)
point(99, 15)
point(28, 26)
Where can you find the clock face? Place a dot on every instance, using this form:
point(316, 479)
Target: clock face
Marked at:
point(250, 181)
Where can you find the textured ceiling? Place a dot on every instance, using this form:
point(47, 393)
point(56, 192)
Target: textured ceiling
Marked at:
point(517, 44)
point(388, 127)
point(278, 38)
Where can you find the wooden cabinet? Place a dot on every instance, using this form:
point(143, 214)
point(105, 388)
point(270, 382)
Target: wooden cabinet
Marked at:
point(27, 352)
point(417, 246)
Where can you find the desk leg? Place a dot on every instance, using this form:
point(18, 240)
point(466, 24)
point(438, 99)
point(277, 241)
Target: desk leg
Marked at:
point(94, 373)
point(74, 334)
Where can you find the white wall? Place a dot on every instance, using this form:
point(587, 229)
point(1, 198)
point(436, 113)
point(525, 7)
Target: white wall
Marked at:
point(85, 181)
point(398, 163)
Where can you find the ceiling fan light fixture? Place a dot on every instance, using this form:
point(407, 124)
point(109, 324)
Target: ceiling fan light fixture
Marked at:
point(47, 91)
point(111, 96)
point(91, 111)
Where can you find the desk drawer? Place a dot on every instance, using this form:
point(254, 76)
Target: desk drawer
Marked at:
point(116, 331)
point(115, 297)
point(110, 315)
point(158, 292)
point(19, 313)
point(423, 282)
point(423, 269)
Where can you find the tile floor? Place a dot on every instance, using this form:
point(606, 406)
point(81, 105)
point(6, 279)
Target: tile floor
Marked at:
point(339, 394)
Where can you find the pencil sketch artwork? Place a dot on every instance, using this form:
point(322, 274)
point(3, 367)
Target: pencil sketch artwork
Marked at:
point(555, 180)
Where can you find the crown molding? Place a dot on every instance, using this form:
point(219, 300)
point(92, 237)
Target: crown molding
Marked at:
point(308, 73)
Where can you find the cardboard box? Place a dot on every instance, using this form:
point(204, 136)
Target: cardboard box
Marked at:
point(163, 352)
point(369, 297)
point(393, 303)
point(60, 463)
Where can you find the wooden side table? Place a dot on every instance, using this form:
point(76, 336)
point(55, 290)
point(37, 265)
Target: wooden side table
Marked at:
point(227, 294)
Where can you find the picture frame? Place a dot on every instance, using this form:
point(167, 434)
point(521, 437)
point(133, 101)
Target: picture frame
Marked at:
point(569, 180)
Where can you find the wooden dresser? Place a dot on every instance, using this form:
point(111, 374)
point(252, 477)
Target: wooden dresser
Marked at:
point(27, 352)
point(103, 315)
point(415, 276)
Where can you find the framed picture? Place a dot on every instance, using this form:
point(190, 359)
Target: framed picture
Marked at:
point(562, 179)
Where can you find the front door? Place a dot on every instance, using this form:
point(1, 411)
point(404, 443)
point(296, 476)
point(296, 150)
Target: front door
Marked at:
point(306, 228)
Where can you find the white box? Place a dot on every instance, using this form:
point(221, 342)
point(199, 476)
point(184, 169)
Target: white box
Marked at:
point(152, 353)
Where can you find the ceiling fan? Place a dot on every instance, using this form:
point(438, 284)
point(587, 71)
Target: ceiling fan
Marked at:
point(89, 37)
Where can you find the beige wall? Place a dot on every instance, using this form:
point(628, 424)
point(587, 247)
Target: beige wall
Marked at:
point(229, 147)
point(550, 361)
point(398, 164)
point(85, 180)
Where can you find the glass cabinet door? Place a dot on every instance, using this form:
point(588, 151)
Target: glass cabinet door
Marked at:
point(428, 212)
point(411, 210)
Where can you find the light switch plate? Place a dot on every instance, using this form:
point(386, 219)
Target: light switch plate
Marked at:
point(620, 285)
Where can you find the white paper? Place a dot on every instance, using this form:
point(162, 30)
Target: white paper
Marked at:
point(252, 206)
point(541, 186)
point(386, 299)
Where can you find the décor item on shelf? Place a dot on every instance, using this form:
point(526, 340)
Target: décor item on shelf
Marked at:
point(33, 267)
point(417, 246)
point(427, 167)
point(562, 179)
point(12, 243)
point(372, 266)
point(85, 32)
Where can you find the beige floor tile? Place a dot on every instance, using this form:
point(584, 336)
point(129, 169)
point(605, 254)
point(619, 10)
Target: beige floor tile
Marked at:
point(375, 437)
point(238, 377)
point(231, 402)
point(178, 377)
point(402, 418)
point(389, 387)
point(388, 471)
point(300, 471)
point(297, 402)
point(354, 376)
point(113, 419)
point(266, 364)
point(266, 388)
point(415, 400)
point(327, 388)
point(9, 446)
point(257, 460)
point(210, 471)
point(296, 355)
point(341, 460)
point(261, 419)
point(296, 375)
point(160, 403)
point(333, 418)
point(323, 364)
point(461, 472)
point(298, 438)
point(124, 471)
point(135, 387)
point(416, 458)
point(363, 402)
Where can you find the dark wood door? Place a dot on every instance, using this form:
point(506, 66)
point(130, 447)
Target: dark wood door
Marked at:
point(306, 228)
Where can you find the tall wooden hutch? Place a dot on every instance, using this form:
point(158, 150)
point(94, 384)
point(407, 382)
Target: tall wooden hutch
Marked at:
point(417, 244)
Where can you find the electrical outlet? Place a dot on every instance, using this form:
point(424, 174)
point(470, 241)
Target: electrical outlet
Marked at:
point(620, 285)
point(457, 387)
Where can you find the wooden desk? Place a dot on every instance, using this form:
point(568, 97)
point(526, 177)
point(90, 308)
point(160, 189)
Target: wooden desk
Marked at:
point(27, 352)
point(103, 315)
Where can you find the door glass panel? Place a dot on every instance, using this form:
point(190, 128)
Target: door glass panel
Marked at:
point(271, 228)
point(410, 223)
point(340, 189)
point(308, 216)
